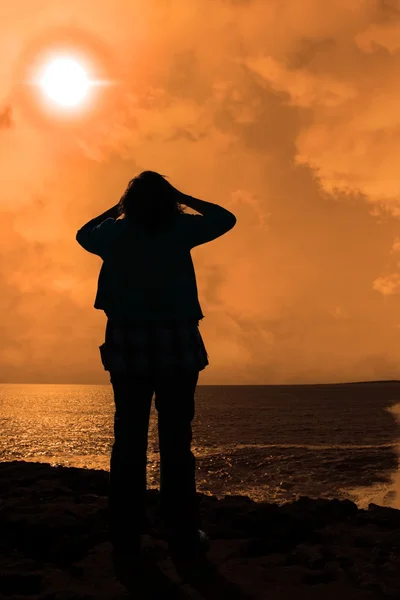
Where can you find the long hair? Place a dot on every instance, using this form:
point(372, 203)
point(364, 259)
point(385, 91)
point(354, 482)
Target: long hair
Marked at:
point(150, 200)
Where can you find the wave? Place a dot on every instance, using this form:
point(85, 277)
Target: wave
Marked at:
point(319, 446)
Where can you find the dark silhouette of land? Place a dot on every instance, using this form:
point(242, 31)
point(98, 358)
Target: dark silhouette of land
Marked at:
point(54, 544)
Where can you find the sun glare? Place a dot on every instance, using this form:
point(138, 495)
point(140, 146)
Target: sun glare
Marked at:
point(65, 82)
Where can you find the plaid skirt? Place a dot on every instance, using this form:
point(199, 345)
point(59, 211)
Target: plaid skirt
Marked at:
point(144, 348)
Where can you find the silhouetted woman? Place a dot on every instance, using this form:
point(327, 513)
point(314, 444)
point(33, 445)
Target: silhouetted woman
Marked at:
point(147, 288)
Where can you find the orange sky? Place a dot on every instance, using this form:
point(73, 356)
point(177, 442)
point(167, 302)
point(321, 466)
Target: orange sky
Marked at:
point(285, 112)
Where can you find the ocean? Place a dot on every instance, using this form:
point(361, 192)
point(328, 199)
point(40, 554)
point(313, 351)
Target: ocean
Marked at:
point(271, 443)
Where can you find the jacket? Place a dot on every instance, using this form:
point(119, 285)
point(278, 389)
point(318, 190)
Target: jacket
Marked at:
point(150, 275)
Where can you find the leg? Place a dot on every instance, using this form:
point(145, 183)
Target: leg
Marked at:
point(127, 482)
point(176, 408)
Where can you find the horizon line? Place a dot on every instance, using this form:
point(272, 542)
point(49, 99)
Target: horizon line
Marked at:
point(372, 381)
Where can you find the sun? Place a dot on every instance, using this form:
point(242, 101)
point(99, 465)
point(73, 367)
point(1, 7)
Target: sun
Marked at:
point(65, 81)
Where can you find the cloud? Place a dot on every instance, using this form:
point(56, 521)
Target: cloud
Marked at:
point(6, 119)
point(388, 285)
point(284, 112)
point(305, 89)
point(378, 36)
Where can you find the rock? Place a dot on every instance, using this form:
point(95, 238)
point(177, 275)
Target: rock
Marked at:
point(345, 561)
point(74, 595)
point(364, 541)
point(318, 577)
point(305, 543)
point(384, 516)
point(238, 500)
point(308, 556)
point(17, 583)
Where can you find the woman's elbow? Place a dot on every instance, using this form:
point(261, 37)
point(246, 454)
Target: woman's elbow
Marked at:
point(232, 221)
point(81, 238)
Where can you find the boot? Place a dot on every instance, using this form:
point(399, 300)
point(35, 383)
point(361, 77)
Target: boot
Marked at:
point(183, 545)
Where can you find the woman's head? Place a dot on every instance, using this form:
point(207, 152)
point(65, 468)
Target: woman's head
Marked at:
point(150, 200)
